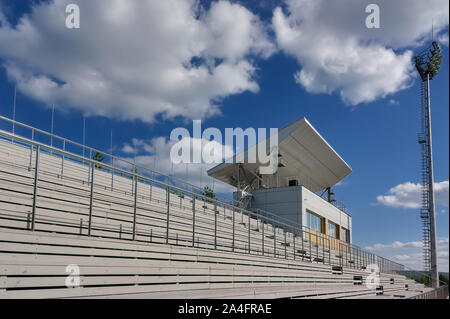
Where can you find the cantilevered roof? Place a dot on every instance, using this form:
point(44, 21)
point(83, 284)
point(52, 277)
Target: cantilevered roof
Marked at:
point(305, 155)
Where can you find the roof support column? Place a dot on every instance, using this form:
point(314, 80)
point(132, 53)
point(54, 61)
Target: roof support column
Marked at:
point(238, 174)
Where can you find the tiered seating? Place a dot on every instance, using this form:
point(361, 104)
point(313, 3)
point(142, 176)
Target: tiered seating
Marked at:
point(225, 253)
point(120, 268)
point(63, 206)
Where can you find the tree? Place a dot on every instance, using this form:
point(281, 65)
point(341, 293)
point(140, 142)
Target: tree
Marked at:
point(98, 157)
point(425, 280)
point(208, 192)
point(443, 281)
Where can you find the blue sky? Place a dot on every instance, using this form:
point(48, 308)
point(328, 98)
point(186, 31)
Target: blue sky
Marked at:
point(376, 133)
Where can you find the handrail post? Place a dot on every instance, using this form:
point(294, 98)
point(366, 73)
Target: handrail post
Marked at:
point(62, 160)
point(90, 166)
point(193, 220)
point(112, 173)
point(135, 206)
point(31, 150)
point(232, 240)
point(323, 248)
point(303, 244)
point(329, 251)
point(293, 240)
point(310, 246)
point(91, 197)
point(249, 240)
point(317, 247)
point(35, 187)
point(348, 251)
point(354, 257)
point(274, 241)
point(215, 225)
point(168, 211)
point(358, 258)
point(262, 232)
point(285, 243)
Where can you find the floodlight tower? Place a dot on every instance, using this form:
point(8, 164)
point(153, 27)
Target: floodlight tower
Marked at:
point(427, 64)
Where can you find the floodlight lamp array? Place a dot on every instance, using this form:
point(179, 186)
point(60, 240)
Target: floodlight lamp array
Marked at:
point(428, 63)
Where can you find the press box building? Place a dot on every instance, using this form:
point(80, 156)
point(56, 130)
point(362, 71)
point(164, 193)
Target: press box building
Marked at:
point(307, 167)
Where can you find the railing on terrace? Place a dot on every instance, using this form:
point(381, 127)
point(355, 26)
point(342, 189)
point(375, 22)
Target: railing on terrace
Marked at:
point(305, 244)
point(87, 152)
point(438, 293)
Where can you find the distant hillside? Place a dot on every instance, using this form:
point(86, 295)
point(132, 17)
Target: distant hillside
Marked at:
point(417, 274)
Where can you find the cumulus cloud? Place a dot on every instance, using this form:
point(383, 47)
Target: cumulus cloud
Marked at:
point(441, 242)
point(154, 154)
point(135, 59)
point(414, 260)
point(410, 253)
point(393, 102)
point(443, 38)
point(337, 53)
point(408, 195)
point(396, 244)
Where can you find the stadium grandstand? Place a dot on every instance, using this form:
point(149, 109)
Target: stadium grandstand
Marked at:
point(134, 233)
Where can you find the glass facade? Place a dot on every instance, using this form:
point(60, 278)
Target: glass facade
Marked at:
point(344, 234)
point(313, 221)
point(332, 229)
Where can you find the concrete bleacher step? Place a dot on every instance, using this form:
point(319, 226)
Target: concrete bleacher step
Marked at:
point(112, 266)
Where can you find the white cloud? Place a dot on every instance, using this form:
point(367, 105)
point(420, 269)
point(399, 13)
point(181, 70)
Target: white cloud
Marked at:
point(393, 102)
point(408, 195)
point(154, 154)
point(396, 244)
point(137, 145)
point(402, 257)
point(443, 38)
point(410, 253)
point(337, 53)
point(135, 60)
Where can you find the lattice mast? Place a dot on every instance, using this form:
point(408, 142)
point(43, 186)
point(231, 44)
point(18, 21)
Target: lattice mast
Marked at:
point(427, 64)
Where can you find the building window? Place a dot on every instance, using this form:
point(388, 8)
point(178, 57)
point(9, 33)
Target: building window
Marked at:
point(293, 182)
point(332, 229)
point(344, 234)
point(313, 221)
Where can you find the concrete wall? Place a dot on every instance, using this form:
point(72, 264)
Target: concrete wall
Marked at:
point(283, 201)
point(319, 206)
point(292, 202)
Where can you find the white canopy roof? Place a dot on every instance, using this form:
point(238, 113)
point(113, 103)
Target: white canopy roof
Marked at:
point(305, 154)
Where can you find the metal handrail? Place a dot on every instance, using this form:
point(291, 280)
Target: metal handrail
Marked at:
point(52, 149)
point(112, 157)
point(362, 257)
point(437, 293)
point(336, 203)
point(421, 272)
